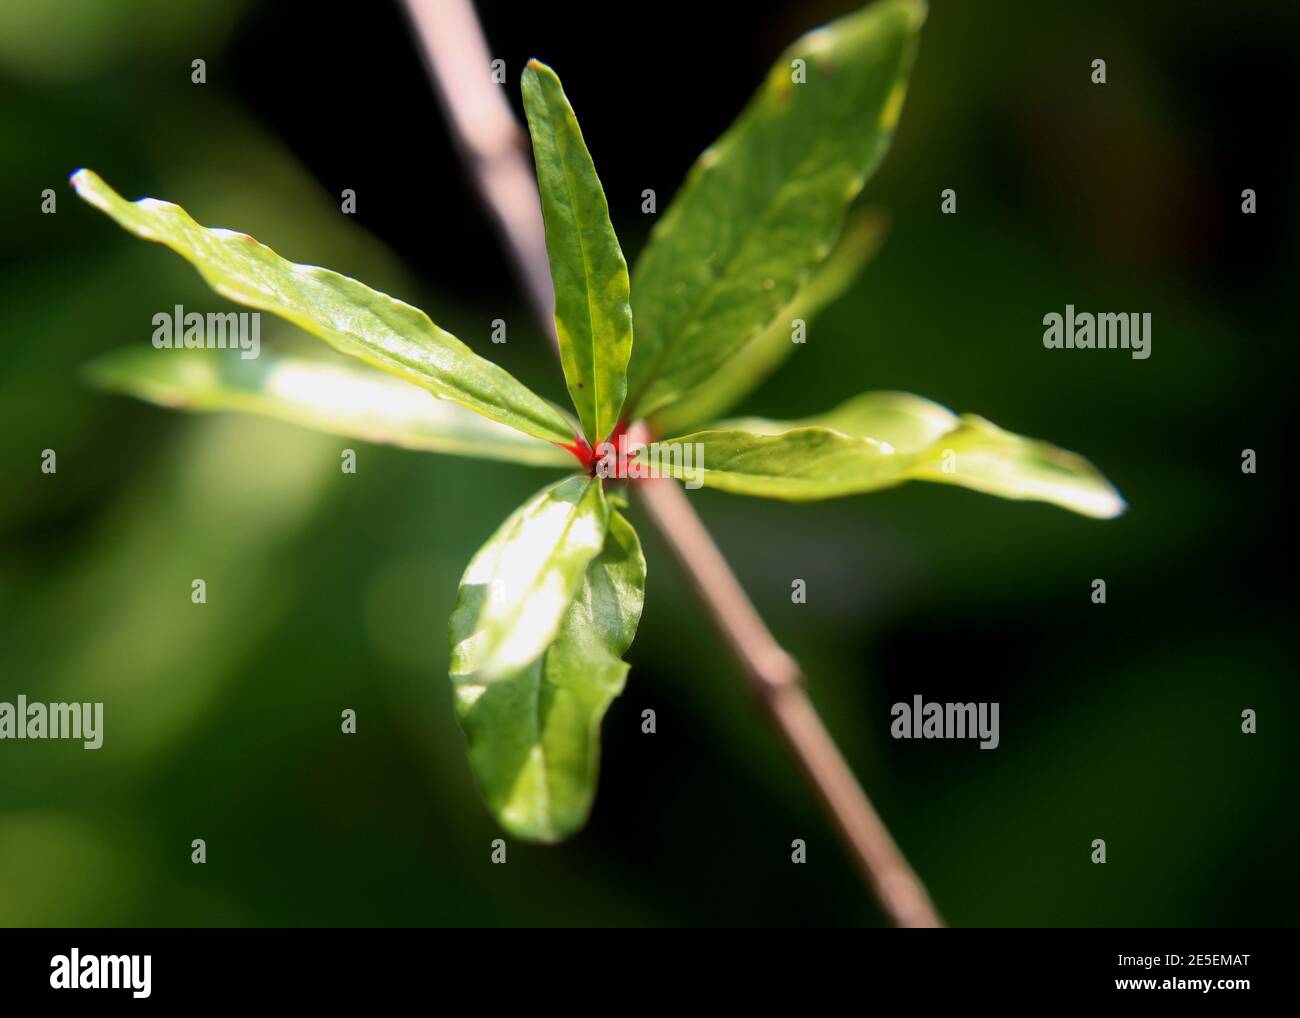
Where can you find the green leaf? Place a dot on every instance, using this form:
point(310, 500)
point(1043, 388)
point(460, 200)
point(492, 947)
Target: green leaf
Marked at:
point(881, 439)
point(757, 359)
point(764, 205)
point(534, 737)
point(592, 312)
point(517, 587)
point(347, 314)
point(338, 396)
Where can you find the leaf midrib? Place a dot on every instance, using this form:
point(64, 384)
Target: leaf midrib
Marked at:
point(568, 525)
point(586, 273)
point(546, 810)
point(708, 288)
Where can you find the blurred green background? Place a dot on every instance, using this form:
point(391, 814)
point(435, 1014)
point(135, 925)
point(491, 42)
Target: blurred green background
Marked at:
point(328, 591)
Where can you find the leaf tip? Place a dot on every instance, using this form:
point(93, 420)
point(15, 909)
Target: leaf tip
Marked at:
point(537, 67)
point(1093, 496)
point(84, 180)
point(1112, 506)
point(90, 188)
point(530, 83)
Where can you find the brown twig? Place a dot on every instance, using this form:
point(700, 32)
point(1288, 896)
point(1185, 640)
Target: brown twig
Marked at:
point(776, 677)
point(491, 142)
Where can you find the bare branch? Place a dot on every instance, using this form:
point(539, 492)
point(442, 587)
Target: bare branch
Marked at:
point(776, 677)
point(491, 143)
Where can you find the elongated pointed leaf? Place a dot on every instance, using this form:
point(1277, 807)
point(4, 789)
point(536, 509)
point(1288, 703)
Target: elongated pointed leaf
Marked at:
point(347, 314)
point(534, 737)
point(592, 312)
point(338, 396)
point(764, 205)
point(519, 585)
point(757, 359)
point(878, 440)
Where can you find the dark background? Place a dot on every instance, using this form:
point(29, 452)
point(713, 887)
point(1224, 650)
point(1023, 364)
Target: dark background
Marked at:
point(326, 591)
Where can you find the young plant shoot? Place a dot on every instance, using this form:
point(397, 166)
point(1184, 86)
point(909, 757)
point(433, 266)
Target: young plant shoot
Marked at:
point(760, 236)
